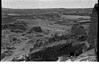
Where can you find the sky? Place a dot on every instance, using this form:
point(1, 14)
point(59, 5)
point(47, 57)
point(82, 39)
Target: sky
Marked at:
point(32, 4)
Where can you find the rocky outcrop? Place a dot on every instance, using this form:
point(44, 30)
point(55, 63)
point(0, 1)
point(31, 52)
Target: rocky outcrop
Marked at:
point(35, 29)
point(77, 29)
point(14, 27)
point(93, 28)
point(87, 56)
point(94, 25)
point(52, 53)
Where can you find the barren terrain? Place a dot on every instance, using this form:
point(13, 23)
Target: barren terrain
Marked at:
point(60, 34)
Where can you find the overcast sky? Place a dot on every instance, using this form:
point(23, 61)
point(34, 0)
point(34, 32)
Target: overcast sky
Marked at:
point(27, 4)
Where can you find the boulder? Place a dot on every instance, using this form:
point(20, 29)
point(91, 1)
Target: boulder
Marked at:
point(35, 29)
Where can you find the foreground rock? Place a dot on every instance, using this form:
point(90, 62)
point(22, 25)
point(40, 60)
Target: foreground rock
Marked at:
point(52, 53)
point(87, 56)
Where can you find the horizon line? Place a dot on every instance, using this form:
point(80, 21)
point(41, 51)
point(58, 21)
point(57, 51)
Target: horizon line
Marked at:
point(49, 8)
